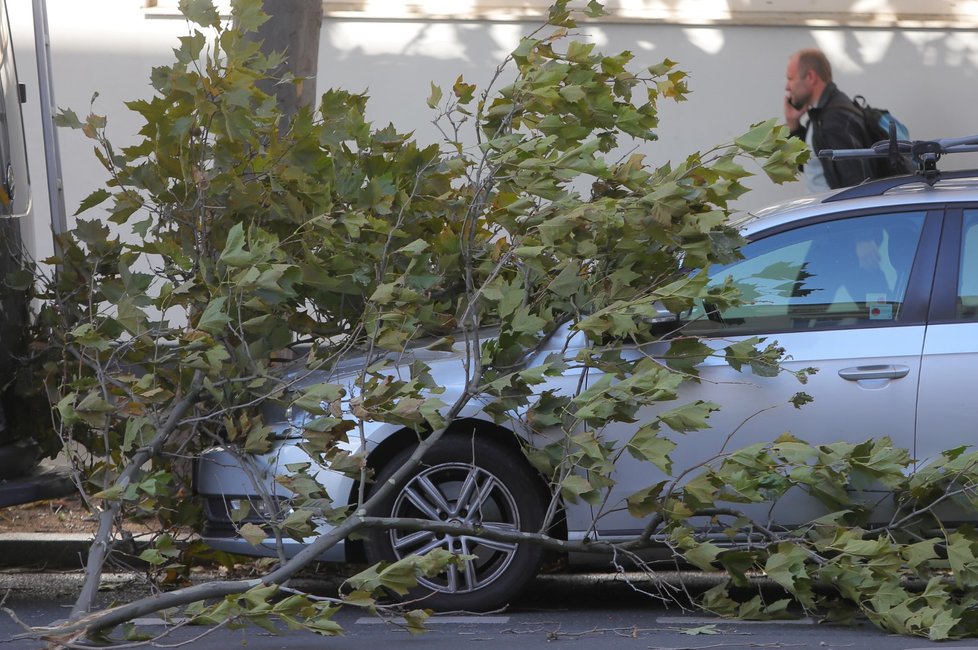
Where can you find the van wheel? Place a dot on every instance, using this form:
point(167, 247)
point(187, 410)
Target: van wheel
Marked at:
point(470, 481)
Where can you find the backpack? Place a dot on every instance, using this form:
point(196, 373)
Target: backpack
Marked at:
point(877, 122)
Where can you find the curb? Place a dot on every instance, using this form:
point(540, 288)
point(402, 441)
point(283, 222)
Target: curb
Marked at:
point(44, 550)
point(57, 550)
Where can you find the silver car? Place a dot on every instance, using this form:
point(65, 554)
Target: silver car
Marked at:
point(876, 286)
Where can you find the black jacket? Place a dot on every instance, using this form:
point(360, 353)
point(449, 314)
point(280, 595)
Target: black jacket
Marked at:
point(838, 125)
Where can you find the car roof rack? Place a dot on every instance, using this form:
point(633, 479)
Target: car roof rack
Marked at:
point(923, 153)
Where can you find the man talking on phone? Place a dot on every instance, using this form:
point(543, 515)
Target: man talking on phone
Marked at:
point(824, 117)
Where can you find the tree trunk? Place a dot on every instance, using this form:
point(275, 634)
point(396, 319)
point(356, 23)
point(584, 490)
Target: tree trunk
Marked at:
point(293, 28)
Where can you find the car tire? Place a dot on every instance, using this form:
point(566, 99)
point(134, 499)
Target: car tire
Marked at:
point(513, 498)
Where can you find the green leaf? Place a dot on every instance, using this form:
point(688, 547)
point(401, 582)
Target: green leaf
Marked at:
point(662, 68)
point(93, 199)
point(131, 632)
point(86, 335)
point(559, 16)
point(526, 322)
point(759, 138)
point(648, 445)
point(435, 97)
point(442, 344)
point(384, 293)
point(67, 118)
point(253, 534)
point(214, 319)
point(416, 247)
point(646, 501)
point(579, 51)
point(400, 577)
point(324, 625)
point(91, 232)
point(703, 555)
point(138, 431)
point(20, 279)
point(317, 398)
point(152, 556)
point(201, 12)
point(940, 628)
point(125, 205)
point(919, 553)
point(190, 47)
point(234, 253)
point(248, 14)
point(529, 251)
point(800, 399)
point(689, 417)
point(575, 487)
point(524, 48)
point(573, 94)
point(685, 354)
point(94, 403)
point(961, 557)
point(568, 282)
point(786, 566)
point(415, 620)
point(463, 91)
point(112, 493)
point(595, 9)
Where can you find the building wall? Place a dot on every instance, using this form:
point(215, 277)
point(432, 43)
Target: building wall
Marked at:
point(925, 75)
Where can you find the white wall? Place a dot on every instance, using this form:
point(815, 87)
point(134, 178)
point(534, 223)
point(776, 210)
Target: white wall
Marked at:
point(104, 46)
point(926, 77)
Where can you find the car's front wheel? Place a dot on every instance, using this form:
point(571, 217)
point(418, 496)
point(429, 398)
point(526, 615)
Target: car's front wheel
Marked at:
point(470, 481)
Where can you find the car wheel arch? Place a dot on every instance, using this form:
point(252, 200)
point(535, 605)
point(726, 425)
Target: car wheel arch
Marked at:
point(396, 442)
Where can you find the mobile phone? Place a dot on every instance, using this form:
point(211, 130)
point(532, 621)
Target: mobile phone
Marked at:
point(795, 104)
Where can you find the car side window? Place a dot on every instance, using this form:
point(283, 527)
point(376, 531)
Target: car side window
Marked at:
point(967, 303)
point(850, 272)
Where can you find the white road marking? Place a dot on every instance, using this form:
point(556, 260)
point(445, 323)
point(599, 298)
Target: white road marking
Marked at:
point(441, 620)
point(709, 620)
point(151, 621)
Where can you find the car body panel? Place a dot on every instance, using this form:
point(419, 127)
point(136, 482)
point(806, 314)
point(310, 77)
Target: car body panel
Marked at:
point(947, 412)
point(757, 410)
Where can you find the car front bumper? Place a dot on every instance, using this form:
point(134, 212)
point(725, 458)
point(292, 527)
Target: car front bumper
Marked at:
point(243, 490)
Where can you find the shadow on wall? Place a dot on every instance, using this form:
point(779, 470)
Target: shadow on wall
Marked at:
point(737, 74)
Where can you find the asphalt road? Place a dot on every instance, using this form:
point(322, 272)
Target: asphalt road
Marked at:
point(571, 611)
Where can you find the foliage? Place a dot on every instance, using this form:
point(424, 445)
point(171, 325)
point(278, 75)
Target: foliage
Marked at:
point(898, 565)
point(235, 244)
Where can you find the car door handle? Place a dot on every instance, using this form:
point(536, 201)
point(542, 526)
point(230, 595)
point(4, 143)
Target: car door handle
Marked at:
point(874, 372)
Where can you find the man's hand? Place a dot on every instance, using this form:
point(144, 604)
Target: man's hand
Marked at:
point(792, 115)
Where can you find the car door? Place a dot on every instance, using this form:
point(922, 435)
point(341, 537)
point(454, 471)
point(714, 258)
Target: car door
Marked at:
point(947, 415)
point(842, 294)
